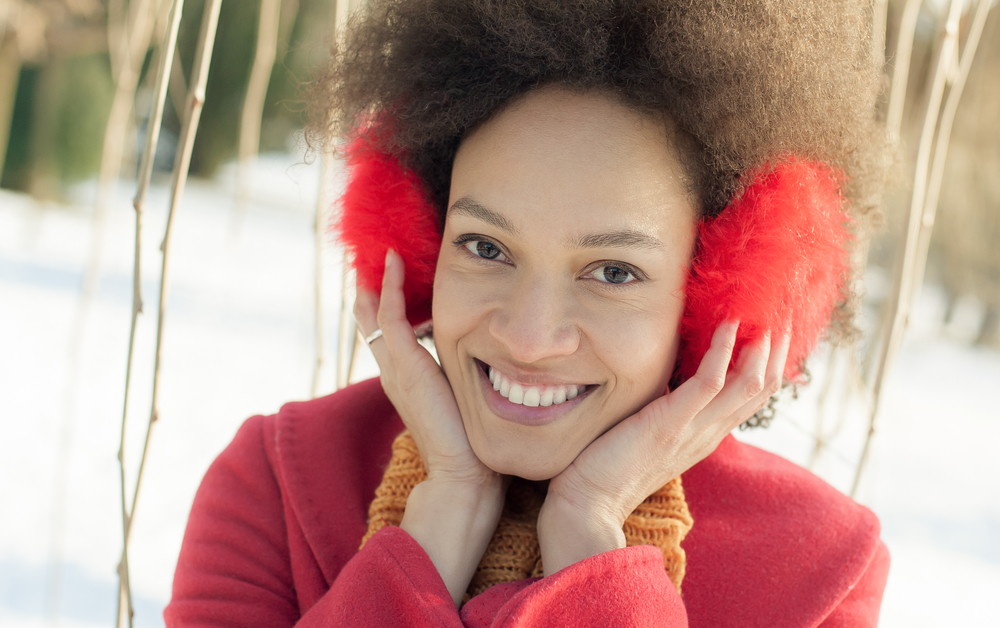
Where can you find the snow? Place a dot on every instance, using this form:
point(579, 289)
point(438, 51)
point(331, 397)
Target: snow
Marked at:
point(238, 341)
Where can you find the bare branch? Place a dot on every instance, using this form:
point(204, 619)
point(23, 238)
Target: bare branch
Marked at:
point(189, 128)
point(899, 307)
point(319, 227)
point(166, 57)
point(901, 73)
point(943, 139)
point(253, 102)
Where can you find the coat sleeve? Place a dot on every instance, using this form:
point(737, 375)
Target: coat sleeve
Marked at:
point(625, 587)
point(235, 569)
point(859, 609)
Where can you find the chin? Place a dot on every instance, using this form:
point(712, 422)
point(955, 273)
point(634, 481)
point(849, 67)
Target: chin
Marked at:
point(513, 461)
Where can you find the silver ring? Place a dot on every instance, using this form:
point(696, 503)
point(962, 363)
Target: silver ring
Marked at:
point(372, 337)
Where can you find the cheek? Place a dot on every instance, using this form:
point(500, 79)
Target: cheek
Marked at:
point(460, 303)
point(460, 308)
point(639, 349)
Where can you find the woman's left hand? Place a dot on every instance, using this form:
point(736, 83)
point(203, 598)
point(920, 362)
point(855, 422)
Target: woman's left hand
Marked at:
point(587, 504)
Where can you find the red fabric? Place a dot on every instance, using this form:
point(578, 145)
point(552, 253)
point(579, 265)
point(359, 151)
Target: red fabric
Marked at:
point(273, 535)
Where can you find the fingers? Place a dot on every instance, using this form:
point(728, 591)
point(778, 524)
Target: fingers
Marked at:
point(386, 312)
point(758, 375)
point(692, 396)
point(392, 306)
point(773, 378)
point(715, 399)
point(366, 311)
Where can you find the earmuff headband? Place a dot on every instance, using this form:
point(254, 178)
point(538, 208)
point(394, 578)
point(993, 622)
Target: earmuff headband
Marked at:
point(776, 258)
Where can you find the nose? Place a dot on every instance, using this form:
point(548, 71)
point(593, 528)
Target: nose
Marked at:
point(536, 320)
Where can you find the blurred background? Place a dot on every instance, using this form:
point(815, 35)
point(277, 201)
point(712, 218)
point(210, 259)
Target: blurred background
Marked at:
point(907, 420)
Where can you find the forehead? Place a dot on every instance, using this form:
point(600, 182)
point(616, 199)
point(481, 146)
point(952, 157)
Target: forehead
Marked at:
point(563, 160)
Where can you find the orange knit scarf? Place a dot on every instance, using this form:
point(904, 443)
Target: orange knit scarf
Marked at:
point(662, 520)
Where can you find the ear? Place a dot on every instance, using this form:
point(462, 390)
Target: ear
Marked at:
point(775, 259)
point(386, 206)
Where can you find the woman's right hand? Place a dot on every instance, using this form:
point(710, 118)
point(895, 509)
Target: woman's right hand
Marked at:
point(454, 512)
point(416, 385)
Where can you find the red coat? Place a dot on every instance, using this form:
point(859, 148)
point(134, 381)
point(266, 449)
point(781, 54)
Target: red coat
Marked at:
point(272, 541)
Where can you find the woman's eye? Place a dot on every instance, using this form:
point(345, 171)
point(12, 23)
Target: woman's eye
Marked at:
point(609, 273)
point(483, 248)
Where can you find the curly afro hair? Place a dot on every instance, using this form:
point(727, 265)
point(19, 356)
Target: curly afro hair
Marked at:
point(747, 80)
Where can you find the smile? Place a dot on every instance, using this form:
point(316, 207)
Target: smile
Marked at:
point(532, 396)
point(534, 404)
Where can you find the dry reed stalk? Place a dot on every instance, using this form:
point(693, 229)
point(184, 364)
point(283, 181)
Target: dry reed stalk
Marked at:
point(132, 47)
point(182, 162)
point(131, 51)
point(900, 302)
point(941, 145)
point(178, 88)
point(319, 225)
point(347, 341)
point(116, 26)
point(253, 102)
point(166, 57)
point(132, 39)
point(901, 72)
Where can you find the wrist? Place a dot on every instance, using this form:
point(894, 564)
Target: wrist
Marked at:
point(568, 533)
point(453, 522)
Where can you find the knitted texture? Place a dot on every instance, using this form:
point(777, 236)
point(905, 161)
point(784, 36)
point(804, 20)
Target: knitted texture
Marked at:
point(662, 520)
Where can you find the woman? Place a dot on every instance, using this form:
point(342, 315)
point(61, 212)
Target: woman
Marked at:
point(626, 220)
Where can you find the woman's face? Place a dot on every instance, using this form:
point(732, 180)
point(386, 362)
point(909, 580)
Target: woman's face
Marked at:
point(559, 284)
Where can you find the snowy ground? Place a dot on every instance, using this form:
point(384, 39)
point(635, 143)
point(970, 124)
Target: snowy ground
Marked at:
point(239, 341)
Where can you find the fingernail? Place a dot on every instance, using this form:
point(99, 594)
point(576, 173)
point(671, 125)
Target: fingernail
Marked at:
point(388, 258)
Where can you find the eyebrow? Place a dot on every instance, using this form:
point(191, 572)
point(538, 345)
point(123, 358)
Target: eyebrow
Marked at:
point(623, 239)
point(469, 207)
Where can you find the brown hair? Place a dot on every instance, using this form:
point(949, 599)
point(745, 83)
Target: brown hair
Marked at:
point(748, 80)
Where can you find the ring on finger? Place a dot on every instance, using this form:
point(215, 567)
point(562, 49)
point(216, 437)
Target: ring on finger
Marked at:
point(372, 337)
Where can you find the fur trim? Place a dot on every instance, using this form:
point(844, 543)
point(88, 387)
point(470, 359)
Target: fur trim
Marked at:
point(776, 258)
point(386, 206)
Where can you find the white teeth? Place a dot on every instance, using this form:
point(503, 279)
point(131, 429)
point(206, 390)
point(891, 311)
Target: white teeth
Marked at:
point(532, 396)
point(546, 398)
point(516, 394)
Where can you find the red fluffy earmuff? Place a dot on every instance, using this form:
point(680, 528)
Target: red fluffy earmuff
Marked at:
point(385, 207)
point(774, 259)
